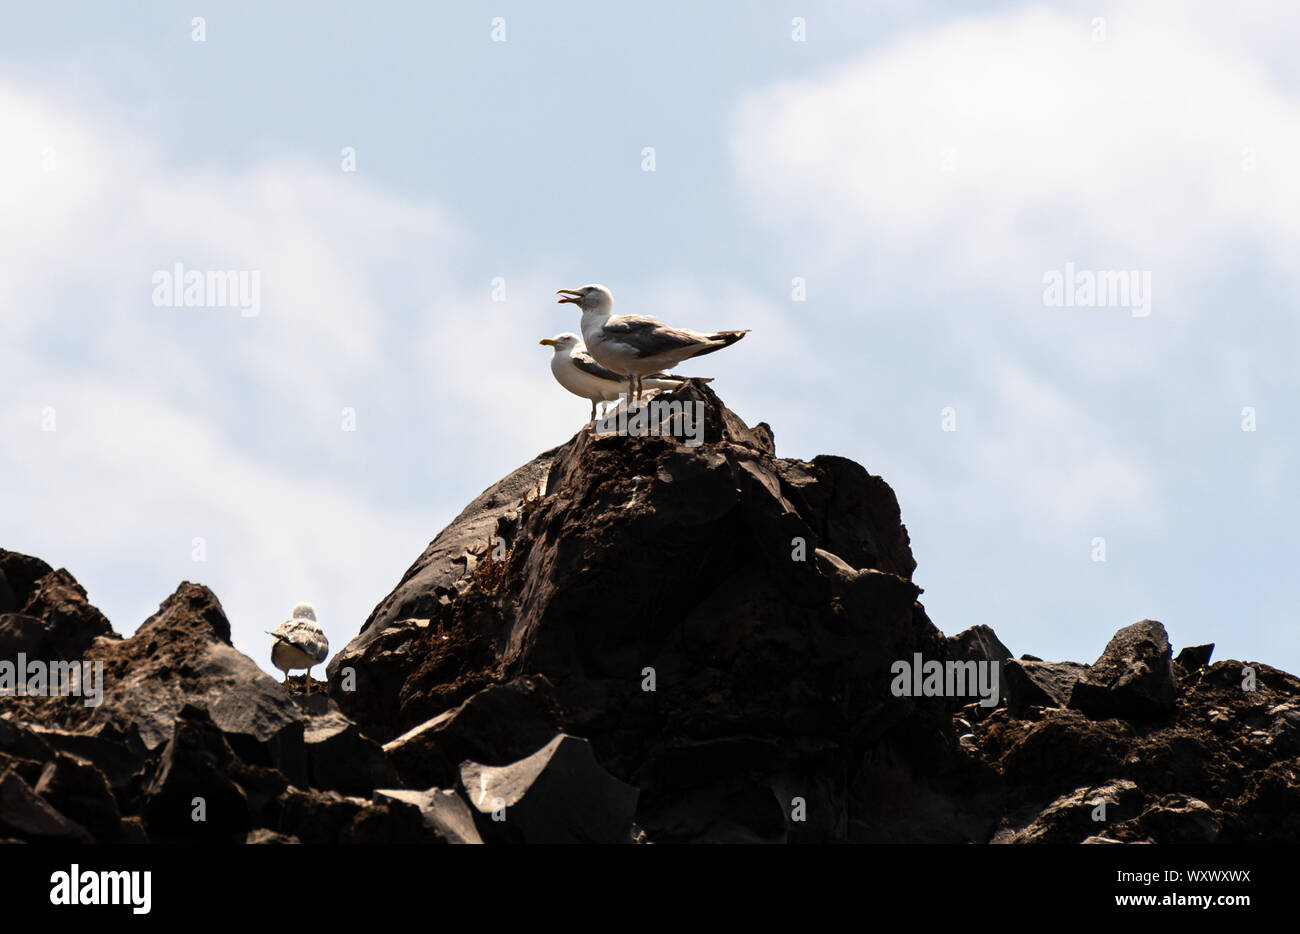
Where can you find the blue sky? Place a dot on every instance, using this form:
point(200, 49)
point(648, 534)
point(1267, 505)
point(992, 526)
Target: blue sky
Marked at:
point(920, 166)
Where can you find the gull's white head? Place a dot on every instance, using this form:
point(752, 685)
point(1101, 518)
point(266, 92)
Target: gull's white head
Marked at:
point(561, 342)
point(304, 611)
point(595, 298)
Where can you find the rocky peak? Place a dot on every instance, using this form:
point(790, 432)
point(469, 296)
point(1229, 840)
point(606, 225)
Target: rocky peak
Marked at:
point(632, 638)
point(711, 618)
point(44, 612)
point(192, 613)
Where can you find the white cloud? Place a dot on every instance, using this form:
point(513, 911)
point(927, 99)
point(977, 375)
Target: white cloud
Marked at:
point(1061, 464)
point(123, 486)
point(946, 170)
point(174, 423)
point(1130, 149)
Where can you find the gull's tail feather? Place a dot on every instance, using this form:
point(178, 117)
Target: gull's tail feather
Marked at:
point(675, 378)
point(721, 339)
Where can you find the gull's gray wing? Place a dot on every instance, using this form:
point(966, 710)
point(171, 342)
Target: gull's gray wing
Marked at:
point(649, 337)
point(587, 363)
point(305, 636)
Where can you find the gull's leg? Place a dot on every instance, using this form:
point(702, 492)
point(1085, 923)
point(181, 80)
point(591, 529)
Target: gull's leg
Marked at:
point(593, 410)
point(309, 680)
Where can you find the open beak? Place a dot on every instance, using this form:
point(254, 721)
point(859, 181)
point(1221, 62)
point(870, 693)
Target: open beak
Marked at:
point(569, 296)
point(548, 341)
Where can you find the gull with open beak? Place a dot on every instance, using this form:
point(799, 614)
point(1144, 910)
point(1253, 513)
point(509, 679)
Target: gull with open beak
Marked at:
point(575, 370)
point(634, 344)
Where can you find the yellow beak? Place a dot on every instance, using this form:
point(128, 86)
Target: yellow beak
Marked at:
point(548, 341)
point(570, 295)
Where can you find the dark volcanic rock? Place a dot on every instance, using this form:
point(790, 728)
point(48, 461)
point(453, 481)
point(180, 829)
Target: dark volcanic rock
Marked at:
point(134, 831)
point(978, 644)
point(439, 574)
point(192, 796)
point(1195, 656)
point(29, 770)
point(19, 739)
point(119, 756)
point(26, 815)
point(390, 820)
point(711, 605)
point(854, 513)
point(981, 644)
point(21, 573)
point(1040, 684)
point(328, 817)
point(1267, 810)
point(1133, 678)
point(1222, 746)
point(1178, 819)
point(496, 726)
point(78, 790)
point(317, 816)
point(50, 619)
point(630, 639)
point(182, 655)
point(559, 794)
point(442, 809)
point(1030, 753)
point(188, 725)
point(1082, 813)
point(419, 759)
point(8, 600)
point(341, 758)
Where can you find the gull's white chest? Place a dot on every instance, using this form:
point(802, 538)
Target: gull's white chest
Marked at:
point(608, 352)
point(580, 383)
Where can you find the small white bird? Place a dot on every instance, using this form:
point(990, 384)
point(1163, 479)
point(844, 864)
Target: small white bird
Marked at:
point(299, 643)
point(634, 344)
point(576, 371)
